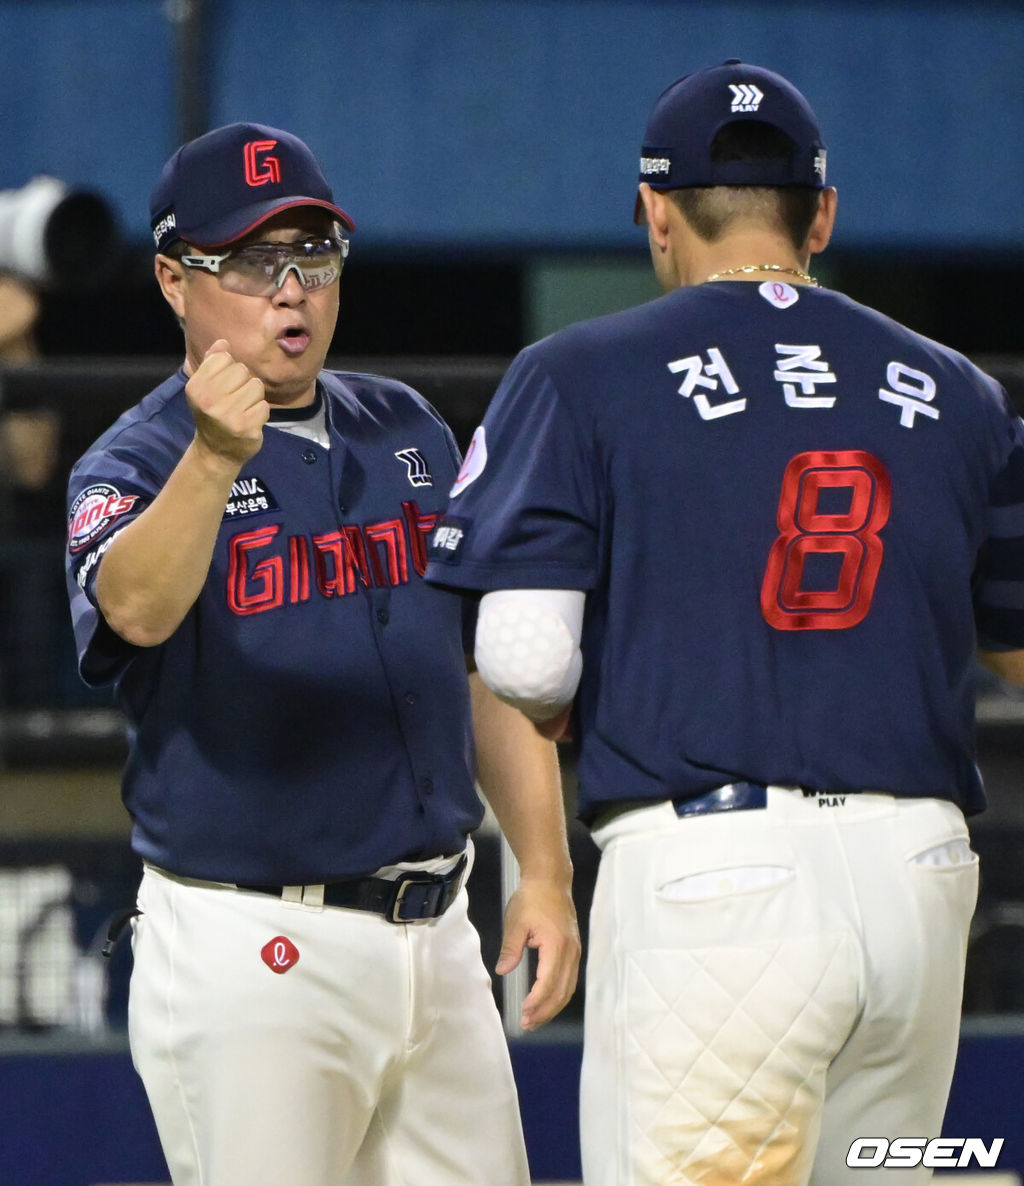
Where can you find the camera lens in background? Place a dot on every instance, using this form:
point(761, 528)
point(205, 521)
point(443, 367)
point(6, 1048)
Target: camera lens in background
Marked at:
point(57, 237)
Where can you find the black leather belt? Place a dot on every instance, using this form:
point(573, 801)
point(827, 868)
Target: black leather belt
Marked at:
point(734, 796)
point(411, 897)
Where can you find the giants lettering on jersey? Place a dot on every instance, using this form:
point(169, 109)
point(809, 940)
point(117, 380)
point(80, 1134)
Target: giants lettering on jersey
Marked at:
point(265, 572)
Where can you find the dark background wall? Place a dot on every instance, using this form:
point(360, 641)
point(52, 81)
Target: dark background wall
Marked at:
point(475, 141)
point(519, 121)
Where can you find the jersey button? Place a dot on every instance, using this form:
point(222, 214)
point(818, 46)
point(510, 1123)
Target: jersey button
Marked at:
point(428, 786)
point(382, 616)
point(308, 456)
point(410, 697)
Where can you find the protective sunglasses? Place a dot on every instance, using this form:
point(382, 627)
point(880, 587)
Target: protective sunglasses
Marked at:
point(262, 268)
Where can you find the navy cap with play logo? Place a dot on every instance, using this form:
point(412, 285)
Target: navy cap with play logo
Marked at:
point(222, 185)
point(687, 116)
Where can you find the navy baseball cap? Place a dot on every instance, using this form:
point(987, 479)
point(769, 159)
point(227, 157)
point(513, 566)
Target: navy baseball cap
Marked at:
point(221, 186)
point(676, 151)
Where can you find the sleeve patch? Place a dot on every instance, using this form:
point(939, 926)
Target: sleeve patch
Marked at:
point(447, 539)
point(91, 559)
point(93, 511)
point(474, 462)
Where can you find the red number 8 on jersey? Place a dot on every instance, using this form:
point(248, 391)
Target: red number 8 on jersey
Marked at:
point(804, 531)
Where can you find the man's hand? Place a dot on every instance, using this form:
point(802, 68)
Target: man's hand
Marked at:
point(519, 775)
point(156, 566)
point(541, 915)
point(228, 404)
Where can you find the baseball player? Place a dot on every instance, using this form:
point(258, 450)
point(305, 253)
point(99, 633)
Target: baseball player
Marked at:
point(770, 527)
point(245, 557)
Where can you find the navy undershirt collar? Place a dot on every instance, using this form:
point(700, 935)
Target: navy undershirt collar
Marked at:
point(292, 415)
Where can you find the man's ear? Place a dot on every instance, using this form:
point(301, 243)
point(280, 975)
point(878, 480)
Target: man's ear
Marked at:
point(652, 211)
point(824, 221)
point(170, 275)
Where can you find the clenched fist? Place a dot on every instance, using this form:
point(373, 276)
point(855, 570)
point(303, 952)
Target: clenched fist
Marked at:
point(228, 405)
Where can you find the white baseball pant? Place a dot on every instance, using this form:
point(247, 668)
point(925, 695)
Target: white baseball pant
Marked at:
point(765, 986)
point(373, 1057)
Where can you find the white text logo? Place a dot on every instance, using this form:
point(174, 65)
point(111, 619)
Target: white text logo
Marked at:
point(745, 96)
point(906, 1152)
point(707, 374)
point(912, 392)
point(448, 538)
point(162, 227)
point(416, 465)
point(803, 367)
point(93, 558)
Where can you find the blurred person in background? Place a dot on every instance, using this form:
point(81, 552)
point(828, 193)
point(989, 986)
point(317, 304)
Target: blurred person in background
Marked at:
point(55, 239)
point(31, 506)
point(28, 436)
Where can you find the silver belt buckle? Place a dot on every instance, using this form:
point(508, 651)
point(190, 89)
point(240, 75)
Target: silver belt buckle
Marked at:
point(443, 883)
point(403, 888)
point(396, 906)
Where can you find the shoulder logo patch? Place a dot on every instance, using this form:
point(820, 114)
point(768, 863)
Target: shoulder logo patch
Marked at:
point(417, 470)
point(473, 463)
point(93, 511)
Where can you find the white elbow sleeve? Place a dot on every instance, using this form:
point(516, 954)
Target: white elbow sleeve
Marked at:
point(528, 647)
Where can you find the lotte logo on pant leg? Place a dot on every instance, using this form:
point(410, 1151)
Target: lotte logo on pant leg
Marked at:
point(280, 954)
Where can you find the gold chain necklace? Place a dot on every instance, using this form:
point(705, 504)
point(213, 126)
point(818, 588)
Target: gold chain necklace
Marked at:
point(764, 268)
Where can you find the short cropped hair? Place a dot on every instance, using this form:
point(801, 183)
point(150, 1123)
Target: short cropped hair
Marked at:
point(711, 211)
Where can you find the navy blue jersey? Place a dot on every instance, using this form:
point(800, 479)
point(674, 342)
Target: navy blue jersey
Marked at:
point(309, 719)
point(795, 520)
